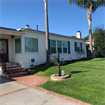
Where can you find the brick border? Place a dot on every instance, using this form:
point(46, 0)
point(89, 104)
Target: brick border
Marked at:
point(62, 96)
point(14, 91)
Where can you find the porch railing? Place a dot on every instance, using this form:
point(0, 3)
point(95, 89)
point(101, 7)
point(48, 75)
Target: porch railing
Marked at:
point(2, 62)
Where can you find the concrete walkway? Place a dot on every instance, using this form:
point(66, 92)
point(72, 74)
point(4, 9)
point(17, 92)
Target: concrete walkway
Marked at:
point(12, 93)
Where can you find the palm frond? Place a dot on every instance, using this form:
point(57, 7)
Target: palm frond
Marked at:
point(87, 3)
point(98, 4)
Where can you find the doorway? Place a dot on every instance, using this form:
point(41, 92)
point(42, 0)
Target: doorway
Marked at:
point(4, 48)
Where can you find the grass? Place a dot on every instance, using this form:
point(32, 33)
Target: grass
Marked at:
point(87, 81)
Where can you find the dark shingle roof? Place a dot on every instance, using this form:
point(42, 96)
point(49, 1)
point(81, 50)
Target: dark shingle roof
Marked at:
point(8, 28)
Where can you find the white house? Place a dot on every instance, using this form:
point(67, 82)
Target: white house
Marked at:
point(24, 44)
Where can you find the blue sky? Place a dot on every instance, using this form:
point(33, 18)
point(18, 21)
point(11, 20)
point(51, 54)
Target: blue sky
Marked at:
point(64, 18)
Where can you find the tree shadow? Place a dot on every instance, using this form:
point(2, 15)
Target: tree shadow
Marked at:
point(92, 67)
point(36, 69)
point(75, 72)
point(4, 80)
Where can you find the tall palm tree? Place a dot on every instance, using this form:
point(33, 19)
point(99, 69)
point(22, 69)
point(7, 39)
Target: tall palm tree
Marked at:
point(47, 32)
point(91, 6)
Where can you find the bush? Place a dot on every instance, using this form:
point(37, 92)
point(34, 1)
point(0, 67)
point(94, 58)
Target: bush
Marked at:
point(84, 58)
point(56, 64)
point(99, 55)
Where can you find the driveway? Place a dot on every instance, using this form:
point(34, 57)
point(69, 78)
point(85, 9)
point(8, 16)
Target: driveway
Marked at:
point(12, 93)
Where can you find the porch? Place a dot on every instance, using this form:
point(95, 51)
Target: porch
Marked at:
point(11, 59)
point(10, 45)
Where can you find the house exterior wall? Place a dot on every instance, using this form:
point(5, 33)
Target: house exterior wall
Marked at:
point(12, 56)
point(40, 57)
point(17, 57)
point(73, 54)
point(24, 58)
point(95, 52)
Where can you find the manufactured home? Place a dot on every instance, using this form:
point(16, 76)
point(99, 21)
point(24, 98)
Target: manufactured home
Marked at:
point(24, 44)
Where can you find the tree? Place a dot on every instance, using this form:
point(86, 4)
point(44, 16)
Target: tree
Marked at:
point(80, 52)
point(73, 36)
point(91, 6)
point(99, 39)
point(47, 32)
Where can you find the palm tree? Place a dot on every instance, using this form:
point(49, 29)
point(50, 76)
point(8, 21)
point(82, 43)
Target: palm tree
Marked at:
point(91, 6)
point(47, 32)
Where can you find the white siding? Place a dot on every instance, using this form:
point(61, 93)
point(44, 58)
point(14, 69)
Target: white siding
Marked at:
point(17, 57)
point(40, 57)
point(73, 53)
point(24, 59)
point(11, 50)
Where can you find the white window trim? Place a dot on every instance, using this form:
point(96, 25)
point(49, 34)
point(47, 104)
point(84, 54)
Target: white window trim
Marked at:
point(65, 47)
point(57, 46)
point(79, 45)
point(14, 45)
point(31, 52)
point(53, 46)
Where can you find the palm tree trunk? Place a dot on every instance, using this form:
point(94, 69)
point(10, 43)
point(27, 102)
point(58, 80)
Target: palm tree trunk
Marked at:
point(90, 32)
point(47, 32)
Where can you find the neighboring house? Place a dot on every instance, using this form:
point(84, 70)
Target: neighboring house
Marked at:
point(95, 52)
point(24, 44)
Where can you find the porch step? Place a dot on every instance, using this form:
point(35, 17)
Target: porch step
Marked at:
point(14, 70)
point(12, 66)
point(17, 74)
point(9, 64)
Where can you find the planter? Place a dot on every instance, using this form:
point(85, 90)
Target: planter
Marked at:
point(57, 78)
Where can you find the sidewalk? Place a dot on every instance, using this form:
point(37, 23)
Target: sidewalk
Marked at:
point(23, 91)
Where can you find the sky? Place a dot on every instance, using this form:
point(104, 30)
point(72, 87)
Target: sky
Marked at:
point(63, 18)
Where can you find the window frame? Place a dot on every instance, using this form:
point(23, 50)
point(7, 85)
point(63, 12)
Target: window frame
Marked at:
point(79, 45)
point(59, 47)
point(65, 47)
point(31, 52)
point(15, 46)
point(53, 46)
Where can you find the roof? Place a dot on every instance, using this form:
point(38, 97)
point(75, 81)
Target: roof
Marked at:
point(23, 29)
point(8, 28)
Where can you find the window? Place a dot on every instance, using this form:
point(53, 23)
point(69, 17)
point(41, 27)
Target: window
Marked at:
point(18, 45)
point(53, 46)
point(59, 46)
point(3, 47)
point(78, 46)
point(31, 45)
point(64, 46)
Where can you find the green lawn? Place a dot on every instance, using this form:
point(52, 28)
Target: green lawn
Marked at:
point(87, 81)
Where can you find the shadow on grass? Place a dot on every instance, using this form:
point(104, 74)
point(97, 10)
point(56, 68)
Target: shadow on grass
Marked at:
point(89, 67)
point(74, 72)
point(74, 61)
point(39, 68)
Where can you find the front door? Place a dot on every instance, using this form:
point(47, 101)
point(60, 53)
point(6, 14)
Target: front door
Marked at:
point(4, 48)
